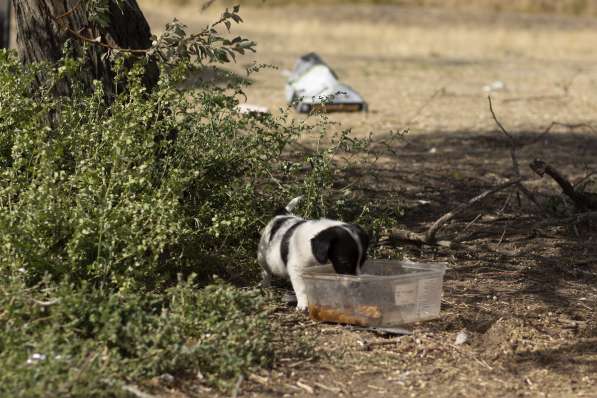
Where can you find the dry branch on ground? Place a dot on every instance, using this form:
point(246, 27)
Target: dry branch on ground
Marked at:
point(582, 200)
point(430, 236)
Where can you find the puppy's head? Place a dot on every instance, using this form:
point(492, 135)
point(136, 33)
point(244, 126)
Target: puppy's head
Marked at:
point(345, 246)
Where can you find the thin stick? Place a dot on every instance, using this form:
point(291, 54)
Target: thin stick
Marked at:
point(417, 113)
point(502, 237)
point(432, 231)
point(472, 222)
point(429, 237)
point(305, 387)
point(99, 42)
point(513, 145)
point(506, 133)
point(240, 380)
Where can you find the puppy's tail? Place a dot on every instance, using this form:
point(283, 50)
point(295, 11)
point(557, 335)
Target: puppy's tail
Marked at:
point(293, 204)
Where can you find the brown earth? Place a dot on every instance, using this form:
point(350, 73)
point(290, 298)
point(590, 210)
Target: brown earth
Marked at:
point(524, 292)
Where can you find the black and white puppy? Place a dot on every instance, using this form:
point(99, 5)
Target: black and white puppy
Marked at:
point(289, 244)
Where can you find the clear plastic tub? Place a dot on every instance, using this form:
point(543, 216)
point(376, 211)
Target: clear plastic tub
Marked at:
point(386, 293)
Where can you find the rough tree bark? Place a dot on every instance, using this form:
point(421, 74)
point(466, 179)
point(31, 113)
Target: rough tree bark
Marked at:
point(43, 26)
point(5, 9)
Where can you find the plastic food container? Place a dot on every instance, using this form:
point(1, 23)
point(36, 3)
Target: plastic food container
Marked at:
point(386, 293)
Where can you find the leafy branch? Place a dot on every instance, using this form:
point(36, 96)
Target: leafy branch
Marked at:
point(174, 45)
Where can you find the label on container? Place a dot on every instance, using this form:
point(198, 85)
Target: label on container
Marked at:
point(429, 297)
point(405, 294)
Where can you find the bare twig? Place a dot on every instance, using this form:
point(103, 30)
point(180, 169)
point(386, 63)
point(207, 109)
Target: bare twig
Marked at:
point(472, 222)
point(432, 231)
point(506, 133)
point(97, 41)
point(502, 237)
point(305, 387)
point(429, 237)
point(236, 390)
point(428, 101)
point(513, 146)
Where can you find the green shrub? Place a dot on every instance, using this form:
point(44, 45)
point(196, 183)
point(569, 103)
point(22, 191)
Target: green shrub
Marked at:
point(102, 205)
point(68, 340)
point(130, 192)
point(106, 200)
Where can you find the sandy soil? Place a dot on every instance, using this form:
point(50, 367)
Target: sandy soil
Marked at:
point(524, 292)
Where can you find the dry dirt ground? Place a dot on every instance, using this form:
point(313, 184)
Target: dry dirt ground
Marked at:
point(525, 292)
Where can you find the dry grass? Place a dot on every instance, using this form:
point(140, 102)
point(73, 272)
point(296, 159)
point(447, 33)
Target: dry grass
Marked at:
point(399, 58)
point(575, 7)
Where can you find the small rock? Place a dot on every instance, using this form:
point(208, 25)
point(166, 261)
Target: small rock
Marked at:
point(365, 346)
point(497, 85)
point(462, 337)
point(166, 379)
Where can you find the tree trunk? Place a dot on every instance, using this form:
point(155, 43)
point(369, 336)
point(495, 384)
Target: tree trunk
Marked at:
point(43, 26)
point(5, 23)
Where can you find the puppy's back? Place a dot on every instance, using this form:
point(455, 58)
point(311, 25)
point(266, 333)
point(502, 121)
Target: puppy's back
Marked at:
point(274, 244)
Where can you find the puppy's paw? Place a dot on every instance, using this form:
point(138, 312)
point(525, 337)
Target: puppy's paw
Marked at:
point(265, 284)
point(301, 308)
point(266, 280)
point(290, 299)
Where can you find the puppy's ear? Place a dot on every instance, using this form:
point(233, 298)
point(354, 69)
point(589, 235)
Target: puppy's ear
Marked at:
point(363, 238)
point(320, 244)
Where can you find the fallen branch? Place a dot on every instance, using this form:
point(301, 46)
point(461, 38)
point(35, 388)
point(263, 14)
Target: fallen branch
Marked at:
point(582, 200)
point(429, 237)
